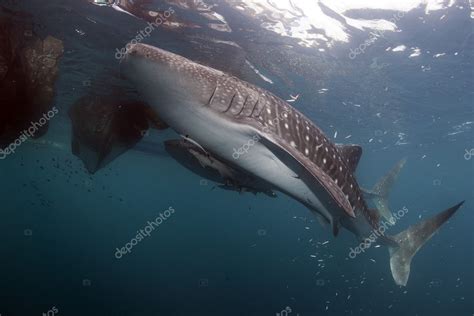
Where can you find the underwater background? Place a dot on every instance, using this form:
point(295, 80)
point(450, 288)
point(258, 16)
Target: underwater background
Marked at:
point(394, 77)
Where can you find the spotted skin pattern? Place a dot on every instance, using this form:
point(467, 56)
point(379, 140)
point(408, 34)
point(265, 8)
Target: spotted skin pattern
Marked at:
point(278, 121)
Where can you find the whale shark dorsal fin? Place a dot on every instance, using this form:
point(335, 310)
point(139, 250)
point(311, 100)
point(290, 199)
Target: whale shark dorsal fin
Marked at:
point(351, 153)
point(380, 192)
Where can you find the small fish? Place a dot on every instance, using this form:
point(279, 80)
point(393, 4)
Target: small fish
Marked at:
point(293, 98)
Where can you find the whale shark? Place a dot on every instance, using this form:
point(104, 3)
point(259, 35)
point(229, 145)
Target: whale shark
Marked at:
point(223, 114)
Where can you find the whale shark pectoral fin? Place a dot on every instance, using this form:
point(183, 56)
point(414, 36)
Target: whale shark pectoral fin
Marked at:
point(351, 154)
point(411, 240)
point(295, 159)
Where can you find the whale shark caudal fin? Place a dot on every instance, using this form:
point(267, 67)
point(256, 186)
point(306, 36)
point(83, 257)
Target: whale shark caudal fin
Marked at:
point(411, 240)
point(380, 192)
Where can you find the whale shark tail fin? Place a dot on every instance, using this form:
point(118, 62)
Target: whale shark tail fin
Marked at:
point(381, 190)
point(411, 240)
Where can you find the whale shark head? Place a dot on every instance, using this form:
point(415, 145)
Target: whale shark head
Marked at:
point(169, 75)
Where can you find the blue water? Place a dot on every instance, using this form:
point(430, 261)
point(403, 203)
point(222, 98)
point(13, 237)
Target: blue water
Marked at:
point(224, 253)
